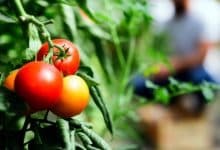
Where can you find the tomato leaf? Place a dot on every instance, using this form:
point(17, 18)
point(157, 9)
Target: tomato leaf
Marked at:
point(2, 78)
point(80, 146)
point(87, 70)
point(64, 132)
point(6, 19)
point(11, 103)
point(68, 2)
point(34, 41)
point(48, 142)
point(84, 138)
point(69, 21)
point(95, 30)
point(72, 138)
point(150, 84)
point(162, 95)
point(37, 135)
point(89, 80)
point(97, 98)
point(96, 139)
point(77, 124)
point(207, 93)
point(90, 147)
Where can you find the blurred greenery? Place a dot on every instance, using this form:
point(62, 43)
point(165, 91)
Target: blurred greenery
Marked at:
point(115, 38)
point(107, 34)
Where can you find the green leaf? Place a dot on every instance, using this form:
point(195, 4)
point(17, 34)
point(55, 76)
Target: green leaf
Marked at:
point(84, 138)
point(99, 32)
point(34, 41)
point(173, 81)
point(87, 70)
point(6, 19)
point(11, 103)
point(150, 84)
point(97, 140)
point(80, 146)
point(90, 147)
point(207, 93)
point(77, 124)
point(68, 2)
point(86, 20)
point(72, 137)
point(69, 21)
point(64, 133)
point(162, 95)
point(2, 78)
point(89, 80)
point(48, 142)
point(97, 98)
point(186, 86)
point(103, 57)
point(37, 136)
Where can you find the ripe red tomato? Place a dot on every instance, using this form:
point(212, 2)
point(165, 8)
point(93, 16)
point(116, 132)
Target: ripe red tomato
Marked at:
point(39, 84)
point(74, 97)
point(67, 65)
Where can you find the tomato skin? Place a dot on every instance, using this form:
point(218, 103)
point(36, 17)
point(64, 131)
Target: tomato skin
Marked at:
point(39, 84)
point(10, 79)
point(74, 97)
point(68, 65)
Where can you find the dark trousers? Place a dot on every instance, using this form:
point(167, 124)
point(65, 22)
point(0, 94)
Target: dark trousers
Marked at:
point(195, 76)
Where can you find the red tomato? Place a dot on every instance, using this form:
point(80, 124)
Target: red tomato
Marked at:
point(39, 84)
point(67, 65)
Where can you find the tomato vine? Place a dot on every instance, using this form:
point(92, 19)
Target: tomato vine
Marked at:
point(35, 128)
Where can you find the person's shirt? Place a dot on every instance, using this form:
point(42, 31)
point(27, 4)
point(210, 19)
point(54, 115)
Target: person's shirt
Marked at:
point(184, 34)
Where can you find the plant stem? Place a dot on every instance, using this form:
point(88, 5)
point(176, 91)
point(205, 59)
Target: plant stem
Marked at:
point(42, 121)
point(116, 41)
point(130, 60)
point(20, 8)
point(46, 115)
point(23, 131)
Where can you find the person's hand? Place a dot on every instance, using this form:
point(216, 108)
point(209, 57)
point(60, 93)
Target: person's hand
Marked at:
point(162, 74)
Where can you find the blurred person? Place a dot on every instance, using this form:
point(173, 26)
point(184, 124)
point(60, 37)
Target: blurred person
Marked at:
point(189, 48)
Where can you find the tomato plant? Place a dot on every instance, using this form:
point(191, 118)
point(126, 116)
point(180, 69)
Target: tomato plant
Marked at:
point(112, 37)
point(39, 84)
point(74, 97)
point(66, 60)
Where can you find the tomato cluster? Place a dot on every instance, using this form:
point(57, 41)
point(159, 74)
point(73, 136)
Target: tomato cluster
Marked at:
point(53, 87)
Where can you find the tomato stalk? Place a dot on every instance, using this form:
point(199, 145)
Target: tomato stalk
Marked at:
point(26, 18)
point(46, 114)
point(116, 40)
point(24, 128)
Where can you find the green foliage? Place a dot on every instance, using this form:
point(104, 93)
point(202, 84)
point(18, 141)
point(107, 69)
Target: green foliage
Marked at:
point(34, 41)
point(115, 39)
point(64, 131)
point(175, 88)
point(11, 103)
point(96, 95)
